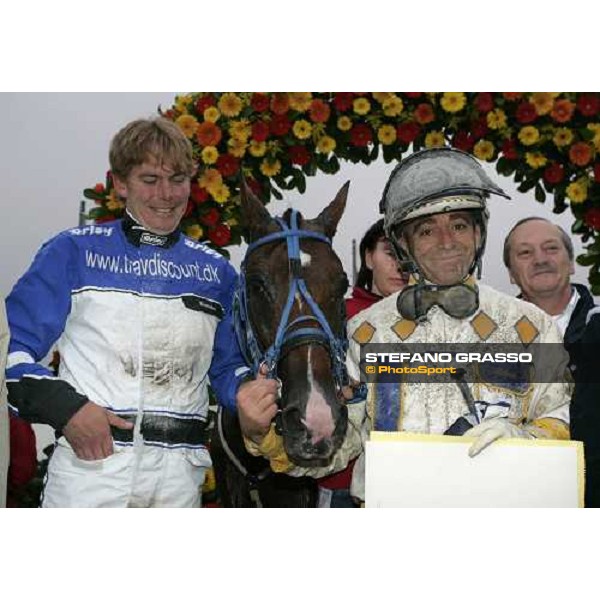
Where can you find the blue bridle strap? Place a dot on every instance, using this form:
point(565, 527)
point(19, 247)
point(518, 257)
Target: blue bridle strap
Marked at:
point(287, 336)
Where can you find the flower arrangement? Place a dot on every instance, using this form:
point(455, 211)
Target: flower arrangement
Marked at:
point(548, 142)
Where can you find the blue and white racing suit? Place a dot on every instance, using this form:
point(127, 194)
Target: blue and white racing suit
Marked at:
point(142, 324)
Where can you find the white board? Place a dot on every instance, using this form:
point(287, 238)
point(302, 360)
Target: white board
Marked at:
point(415, 470)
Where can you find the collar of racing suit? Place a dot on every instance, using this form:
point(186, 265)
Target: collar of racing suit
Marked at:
point(137, 234)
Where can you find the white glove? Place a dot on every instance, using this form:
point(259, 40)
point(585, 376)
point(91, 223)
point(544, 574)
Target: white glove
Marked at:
point(492, 430)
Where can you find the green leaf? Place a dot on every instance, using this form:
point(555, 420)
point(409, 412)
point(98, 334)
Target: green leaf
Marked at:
point(540, 194)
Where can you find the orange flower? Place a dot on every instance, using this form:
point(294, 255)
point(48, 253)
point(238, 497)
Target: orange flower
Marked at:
point(580, 154)
point(510, 96)
point(319, 111)
point(208, 134)
point(562, 111)
point(280, 103)
point(424, 113)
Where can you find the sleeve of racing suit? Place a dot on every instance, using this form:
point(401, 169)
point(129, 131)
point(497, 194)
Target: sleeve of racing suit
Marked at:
point(37, 309)
point(548, 412)
point(228, 368)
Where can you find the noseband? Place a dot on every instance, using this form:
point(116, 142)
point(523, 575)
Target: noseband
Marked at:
point(289, 336)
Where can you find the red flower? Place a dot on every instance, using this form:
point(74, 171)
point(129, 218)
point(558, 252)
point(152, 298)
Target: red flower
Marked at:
point(319, 111)
point(210, 217)
point(588, 104)
point(99, 188)
point(208, 134)
point(554, 173)
point(463, 141)
point(510, 96)
point(479, 127)
point(408, 132)
point(361, 135)
point(526, 112)
point(260, 131)
point(424, 114)
point(189, 209)
point(484, 102)
point(562, 111)
point(219, 235)
point(204, 102)
point(198, 194)
point(509, 149)
point(280, 125)
point(280, 103)
point(343, 101)
point(597, 171)
point(259, 102)
point(592, 217)
point(105, 219)
point(580, 154)
point(299, 155)
point(228, 165)
point(412, 94)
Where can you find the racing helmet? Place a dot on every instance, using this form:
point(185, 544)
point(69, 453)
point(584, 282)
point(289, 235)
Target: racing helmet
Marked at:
point(434, 181)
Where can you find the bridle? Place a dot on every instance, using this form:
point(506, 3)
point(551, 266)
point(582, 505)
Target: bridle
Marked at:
point(289, 335)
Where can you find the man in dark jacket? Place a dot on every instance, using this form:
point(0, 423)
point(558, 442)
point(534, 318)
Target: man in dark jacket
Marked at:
point(539, 257)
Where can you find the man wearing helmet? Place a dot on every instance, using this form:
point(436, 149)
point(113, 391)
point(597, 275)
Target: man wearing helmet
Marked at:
point(436, 217)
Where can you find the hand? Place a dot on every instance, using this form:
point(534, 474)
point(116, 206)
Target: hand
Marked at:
point(257, 405)
point(88, 431)
point(492, 430)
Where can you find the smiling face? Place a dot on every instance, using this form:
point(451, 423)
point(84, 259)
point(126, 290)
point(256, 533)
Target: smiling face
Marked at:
point(539, 262)
point(443, 245)
point(387, 279)
point(155, 195)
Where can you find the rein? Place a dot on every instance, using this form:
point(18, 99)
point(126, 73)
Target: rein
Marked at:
point(287, 336)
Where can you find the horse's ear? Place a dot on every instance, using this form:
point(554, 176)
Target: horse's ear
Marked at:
point(330, 216)
point(255, 217)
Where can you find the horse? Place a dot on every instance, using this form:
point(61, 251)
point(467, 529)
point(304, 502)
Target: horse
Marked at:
point(290, 316)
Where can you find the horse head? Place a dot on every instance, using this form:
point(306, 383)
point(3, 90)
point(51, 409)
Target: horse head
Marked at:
point(292, 296)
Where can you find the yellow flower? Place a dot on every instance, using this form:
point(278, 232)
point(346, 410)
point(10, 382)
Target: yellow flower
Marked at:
point(393, 106)
point(496, 119)
point(484, 150)
point(237, 147)
point(529, 135)
point(326, 144)
point(181, 102)
point(240, 130)
point(302, 129)
point(211, 114)
point(230, 104)
point(595, 127)
point(269, 168)
point(361, 106)
point(257, 149)
point(381, 97)
point(577, 191)
point(563, 136)
point(344, 123)
point(220, 194)
point(210, 179)
point(194, 231)
point(188, 124)
point(386, 134)
point(114, 202)
point(543, 102)
point(434, 139)
point(209, 155)
point(300, 101)
point(453, 101)
point(535, 159)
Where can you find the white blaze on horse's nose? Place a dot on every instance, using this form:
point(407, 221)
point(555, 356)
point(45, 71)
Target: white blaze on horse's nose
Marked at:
point(305, 259)
point(319, 418)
